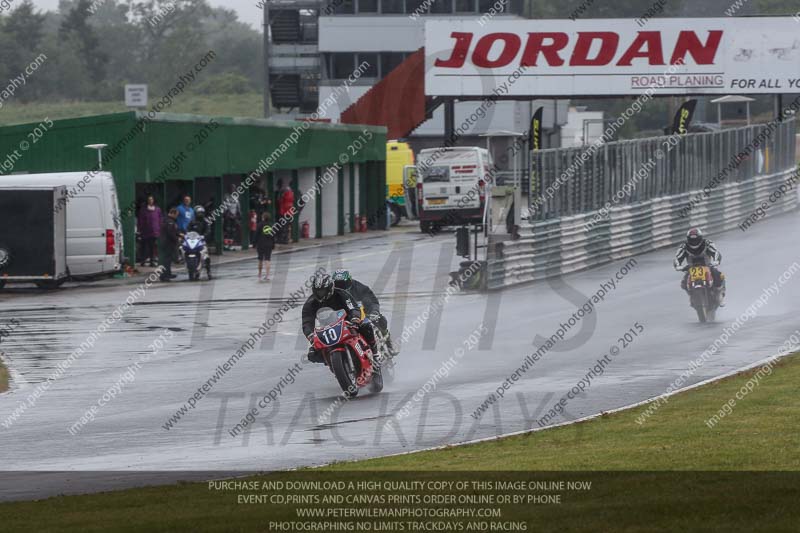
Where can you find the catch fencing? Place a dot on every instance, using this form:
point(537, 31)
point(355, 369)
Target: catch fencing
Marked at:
point(701, 181)
point(571, 181)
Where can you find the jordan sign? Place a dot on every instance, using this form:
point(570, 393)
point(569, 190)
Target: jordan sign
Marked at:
point(612, 57)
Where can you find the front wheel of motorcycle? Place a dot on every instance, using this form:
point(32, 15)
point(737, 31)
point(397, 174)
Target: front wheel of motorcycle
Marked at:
point(387, 371)
point(376, 383)
point(702, 316)
point(345, 372)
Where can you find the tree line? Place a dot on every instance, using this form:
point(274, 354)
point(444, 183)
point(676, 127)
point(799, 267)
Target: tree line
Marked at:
point(94, 48)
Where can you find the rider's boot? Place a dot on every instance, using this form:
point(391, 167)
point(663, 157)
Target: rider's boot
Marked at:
point(376, 356)
point(390, 346)
point(313, 356)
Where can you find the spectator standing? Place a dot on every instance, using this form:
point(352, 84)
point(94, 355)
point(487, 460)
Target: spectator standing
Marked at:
point(256, 193)
point(149, 226)
point(264, 244)
point(185, 217)
point(264, 204)
point(232, 215)
point(169, 243)
point(253, 225)
point(285, 204)
point(185, 214)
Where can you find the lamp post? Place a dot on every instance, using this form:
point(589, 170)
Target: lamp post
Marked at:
point(99, 148)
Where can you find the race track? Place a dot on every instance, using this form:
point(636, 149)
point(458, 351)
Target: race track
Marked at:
point(208, 322)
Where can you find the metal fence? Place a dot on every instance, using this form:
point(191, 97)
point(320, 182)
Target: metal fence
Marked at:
point(569, 181)
point(509, 179)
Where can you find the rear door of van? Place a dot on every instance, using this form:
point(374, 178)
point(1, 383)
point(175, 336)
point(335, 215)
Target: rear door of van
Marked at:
point(86, 235)
point(113, 227)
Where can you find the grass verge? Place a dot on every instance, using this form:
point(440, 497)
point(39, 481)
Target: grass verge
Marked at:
point(758, 435)
point(672, 473)
point(5, 378)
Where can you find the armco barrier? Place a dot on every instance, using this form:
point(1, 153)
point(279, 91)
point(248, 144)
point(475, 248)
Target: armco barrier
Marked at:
point(569, 244)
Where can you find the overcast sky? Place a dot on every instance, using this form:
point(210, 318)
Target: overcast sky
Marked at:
point(247, 9)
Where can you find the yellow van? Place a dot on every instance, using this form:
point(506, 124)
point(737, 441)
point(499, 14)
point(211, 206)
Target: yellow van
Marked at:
point(398, 155)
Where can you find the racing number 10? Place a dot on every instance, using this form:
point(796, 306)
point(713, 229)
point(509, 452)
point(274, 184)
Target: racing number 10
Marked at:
point(329, 335)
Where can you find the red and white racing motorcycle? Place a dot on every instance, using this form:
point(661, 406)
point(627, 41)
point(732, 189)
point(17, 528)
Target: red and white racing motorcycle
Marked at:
point(346, 353)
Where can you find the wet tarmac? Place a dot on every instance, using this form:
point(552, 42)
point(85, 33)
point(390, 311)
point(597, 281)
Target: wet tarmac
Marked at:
point(480, 340)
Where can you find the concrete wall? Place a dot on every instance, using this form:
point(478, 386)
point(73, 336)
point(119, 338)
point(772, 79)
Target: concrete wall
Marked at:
point(356, 210)
point(330, 203)
point(306, 178)
point(572, 132)
point(348, 209)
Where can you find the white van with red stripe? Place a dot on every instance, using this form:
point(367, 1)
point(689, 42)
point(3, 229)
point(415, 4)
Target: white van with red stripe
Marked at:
point(452, 184)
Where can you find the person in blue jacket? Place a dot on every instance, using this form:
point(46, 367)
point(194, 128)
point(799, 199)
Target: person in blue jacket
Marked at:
point(185, 214)
point(185, 217)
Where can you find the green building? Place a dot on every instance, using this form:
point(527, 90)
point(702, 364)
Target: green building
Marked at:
point(337, 171)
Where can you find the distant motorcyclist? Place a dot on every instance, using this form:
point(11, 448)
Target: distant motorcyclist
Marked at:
point(203, 227)
point(363, 294)
point(325, 294)
point(698, 249)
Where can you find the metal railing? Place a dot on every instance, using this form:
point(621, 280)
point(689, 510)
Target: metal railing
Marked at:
point(569, 181)
point(508, 179)
point(558, 246)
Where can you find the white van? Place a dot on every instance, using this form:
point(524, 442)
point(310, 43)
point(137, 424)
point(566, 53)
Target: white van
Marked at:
point(94, 232)
point(452, 184)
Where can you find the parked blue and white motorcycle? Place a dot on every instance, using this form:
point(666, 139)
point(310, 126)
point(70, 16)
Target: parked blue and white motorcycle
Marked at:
point(195, 253)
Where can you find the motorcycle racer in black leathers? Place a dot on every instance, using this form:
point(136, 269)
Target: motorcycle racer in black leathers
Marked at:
point(325, 294)
point(699, 249)
point(361, 293)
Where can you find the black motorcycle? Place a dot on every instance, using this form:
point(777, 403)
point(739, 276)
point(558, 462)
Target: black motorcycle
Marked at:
point(703, 296)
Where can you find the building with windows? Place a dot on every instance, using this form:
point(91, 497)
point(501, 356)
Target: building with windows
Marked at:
point(316, 47)
point(160, 155)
